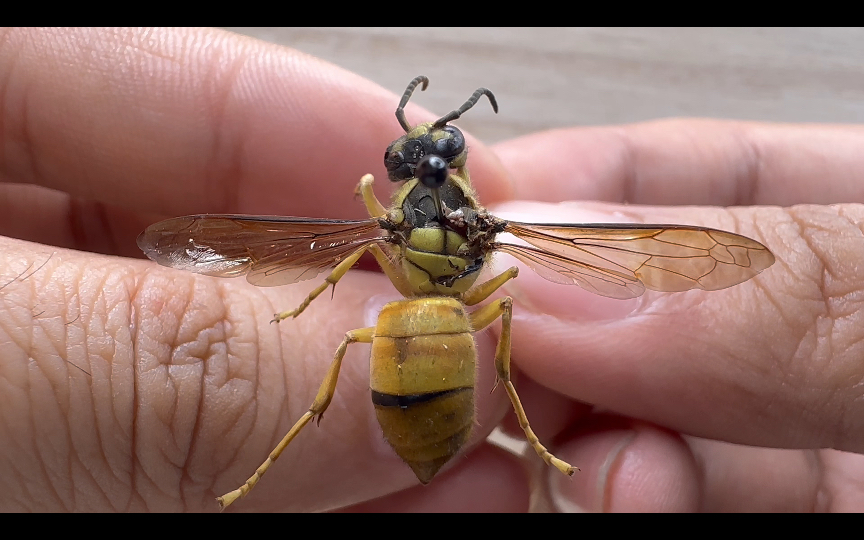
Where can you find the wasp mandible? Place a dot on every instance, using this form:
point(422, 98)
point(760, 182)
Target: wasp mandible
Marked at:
point(432, 242)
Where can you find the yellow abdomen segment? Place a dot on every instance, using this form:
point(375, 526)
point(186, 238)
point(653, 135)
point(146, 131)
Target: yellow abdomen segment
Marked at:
point(422, 380)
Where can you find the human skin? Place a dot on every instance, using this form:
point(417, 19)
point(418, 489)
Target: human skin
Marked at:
point(748, 398)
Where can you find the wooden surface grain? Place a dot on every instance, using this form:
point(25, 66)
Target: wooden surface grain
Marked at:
point(556, 77)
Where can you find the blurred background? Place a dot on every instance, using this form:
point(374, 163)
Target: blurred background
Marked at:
point(547, 77)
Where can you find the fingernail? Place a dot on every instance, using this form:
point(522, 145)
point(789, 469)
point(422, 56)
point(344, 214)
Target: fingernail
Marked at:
point(598, 456)
point(538, 295)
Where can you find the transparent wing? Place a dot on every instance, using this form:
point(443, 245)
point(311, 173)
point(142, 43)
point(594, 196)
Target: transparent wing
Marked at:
point(269, 250)
point(620, 261)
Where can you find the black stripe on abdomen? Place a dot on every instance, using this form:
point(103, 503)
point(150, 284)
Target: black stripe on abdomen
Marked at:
point(403, 402)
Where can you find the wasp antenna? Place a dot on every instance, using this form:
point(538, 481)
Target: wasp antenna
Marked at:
point(400, 111)
point(453, 115)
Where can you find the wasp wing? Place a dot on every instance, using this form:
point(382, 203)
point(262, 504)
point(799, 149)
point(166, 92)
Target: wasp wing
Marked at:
point(268, 250)
point(620, 260)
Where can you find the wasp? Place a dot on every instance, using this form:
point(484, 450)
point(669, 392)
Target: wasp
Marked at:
point(432, 243)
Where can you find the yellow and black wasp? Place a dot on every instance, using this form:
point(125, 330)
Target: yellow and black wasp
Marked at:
point(432, 242)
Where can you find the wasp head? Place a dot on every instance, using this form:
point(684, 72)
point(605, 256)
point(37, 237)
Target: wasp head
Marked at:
point(405, 153)
point(430, 139)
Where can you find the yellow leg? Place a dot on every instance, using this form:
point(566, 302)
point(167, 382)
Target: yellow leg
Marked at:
point(373, 205)
point(376, 209)
point(481, 319)
point(337, 274)
point(393, 272)
point(322, 401)
point(481, 292)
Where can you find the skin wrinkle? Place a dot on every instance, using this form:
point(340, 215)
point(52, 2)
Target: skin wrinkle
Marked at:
point(222, 289)
point(64, 404)
point(752, 162)
point(224, 81)
point(825, 332)
point(22, 479)
point(132, 327)
point(135, 465)
point(108, 362)
point(822, 271)
point(841, 211)
point(628, 164)
point(140, 41)
point(24, 390)
point(240, 411)
point(185, 477)
point(852, 225)
point(26, 140)
point(256, 339)
point(219, 327)
point(32, 363)
point(792, 247)
point(100, 443)
point(42, 462)
point(767, 292)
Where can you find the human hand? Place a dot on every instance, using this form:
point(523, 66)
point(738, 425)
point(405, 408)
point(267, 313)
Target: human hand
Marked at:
point(189, 387)
point(774, 363)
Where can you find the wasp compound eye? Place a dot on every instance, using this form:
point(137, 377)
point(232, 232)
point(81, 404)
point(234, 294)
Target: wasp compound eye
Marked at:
point(432, 171)
point(450, 145)
point(397, 168)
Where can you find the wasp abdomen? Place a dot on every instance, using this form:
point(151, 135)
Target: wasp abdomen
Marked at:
point(422, 380)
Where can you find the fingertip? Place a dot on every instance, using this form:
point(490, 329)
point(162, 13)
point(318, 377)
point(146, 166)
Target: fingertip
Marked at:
point(626, 467)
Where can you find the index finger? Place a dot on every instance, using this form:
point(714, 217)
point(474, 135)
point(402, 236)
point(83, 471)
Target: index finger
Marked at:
point(690, 161)
point(774, 361)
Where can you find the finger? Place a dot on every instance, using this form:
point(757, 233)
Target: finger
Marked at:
point(747, 479)
point(193, 120)
point(772, 362)
point(131, 382)
point(699, 162)
point(55, 218)
point(630, 466)
point(626, 466)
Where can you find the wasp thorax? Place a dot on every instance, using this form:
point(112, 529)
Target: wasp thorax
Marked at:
point(405, 153)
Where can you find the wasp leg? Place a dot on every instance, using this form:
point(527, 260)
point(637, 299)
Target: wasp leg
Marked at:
point(334, 277)
point(481, 292)
point(393, 272)
point(373, 205)
point(482, 318)
point(322, 401)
